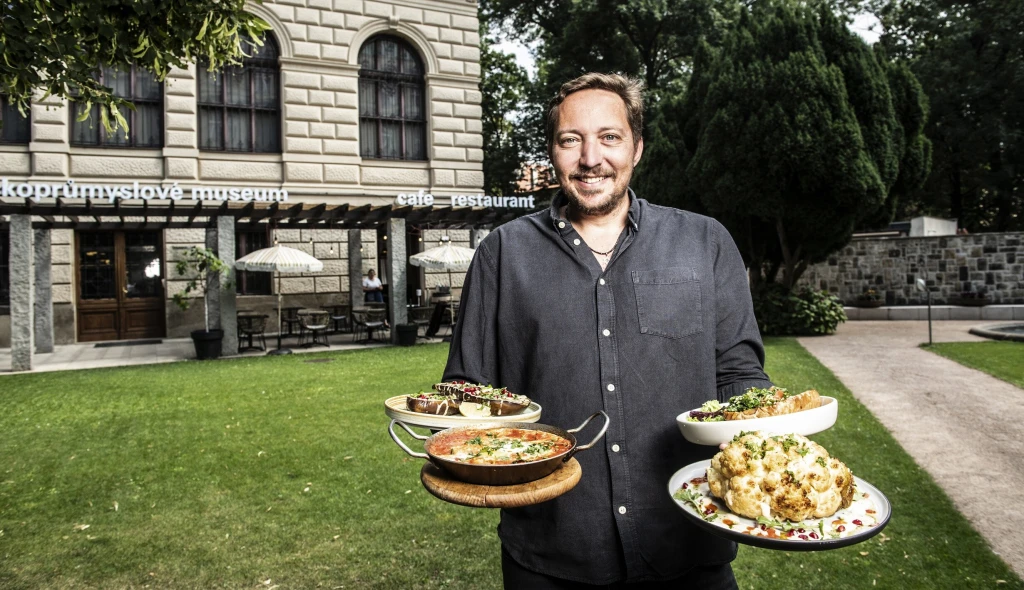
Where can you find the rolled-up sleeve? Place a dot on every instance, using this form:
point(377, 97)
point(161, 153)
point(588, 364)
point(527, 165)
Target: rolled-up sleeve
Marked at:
point(739, 352)
point(474, 350)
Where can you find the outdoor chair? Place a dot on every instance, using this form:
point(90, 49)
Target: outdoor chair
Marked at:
point(339, 317)
point(366, 320)
point(250, 327)
point(313, 328)
point(421, 317)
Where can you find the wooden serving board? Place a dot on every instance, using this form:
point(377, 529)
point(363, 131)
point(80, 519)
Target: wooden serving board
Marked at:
point(451, 490)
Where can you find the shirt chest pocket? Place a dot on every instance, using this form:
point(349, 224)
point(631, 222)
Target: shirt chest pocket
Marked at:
point(668, 301)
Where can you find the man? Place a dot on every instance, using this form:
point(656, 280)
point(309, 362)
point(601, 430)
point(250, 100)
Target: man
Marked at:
point(606, 302)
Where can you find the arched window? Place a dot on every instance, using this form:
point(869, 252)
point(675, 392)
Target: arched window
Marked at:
point(145, 123)
point(17, 128)
point(239, 106)
point(392, 118)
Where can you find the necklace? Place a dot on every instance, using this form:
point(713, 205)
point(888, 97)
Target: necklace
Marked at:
point(562, 214)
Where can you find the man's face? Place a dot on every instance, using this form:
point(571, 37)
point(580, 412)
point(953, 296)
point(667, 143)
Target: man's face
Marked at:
point(371, 274)
point(593, 152)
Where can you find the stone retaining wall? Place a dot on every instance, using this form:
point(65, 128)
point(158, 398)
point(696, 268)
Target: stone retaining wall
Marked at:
point(991, 263)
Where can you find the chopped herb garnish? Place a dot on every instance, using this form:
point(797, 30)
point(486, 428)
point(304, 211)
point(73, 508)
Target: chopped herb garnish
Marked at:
point(692, 497)
point(782, 525)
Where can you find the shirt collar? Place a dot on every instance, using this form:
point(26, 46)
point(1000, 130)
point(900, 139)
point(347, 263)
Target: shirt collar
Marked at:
point(632, 220)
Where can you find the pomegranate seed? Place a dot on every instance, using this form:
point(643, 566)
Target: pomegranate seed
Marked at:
point(858, 522)
point(764, 528)
point(801, 531)
point(804, 537)
point(685, 486)
point(814, 535)
point(840, 528)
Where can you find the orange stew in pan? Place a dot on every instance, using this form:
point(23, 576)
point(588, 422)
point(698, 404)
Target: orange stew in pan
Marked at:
point(498, 446)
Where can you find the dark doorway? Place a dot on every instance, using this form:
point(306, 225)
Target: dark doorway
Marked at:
point(120, 285)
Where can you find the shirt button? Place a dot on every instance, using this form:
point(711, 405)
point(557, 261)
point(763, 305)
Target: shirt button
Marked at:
point(561, 224)
point(576, 242)
point(607, 332)
point(600, 281)
point(615, 448)
point(622, 509)
point(611, 387)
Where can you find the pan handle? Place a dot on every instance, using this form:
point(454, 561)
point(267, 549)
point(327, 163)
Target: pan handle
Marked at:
point(604, 429)
point(391, 429)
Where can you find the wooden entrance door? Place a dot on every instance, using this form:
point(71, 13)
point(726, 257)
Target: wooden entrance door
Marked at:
point(120, 287)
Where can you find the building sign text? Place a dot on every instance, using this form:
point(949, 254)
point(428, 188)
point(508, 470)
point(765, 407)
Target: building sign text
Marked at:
point(71, 189)
point(427, 200)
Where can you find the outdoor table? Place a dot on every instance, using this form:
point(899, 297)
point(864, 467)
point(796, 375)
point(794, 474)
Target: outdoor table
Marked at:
point(289, 318)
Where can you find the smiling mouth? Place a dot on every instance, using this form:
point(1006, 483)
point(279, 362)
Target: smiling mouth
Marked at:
point(591, 179)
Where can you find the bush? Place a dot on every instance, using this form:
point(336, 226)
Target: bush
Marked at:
point(807, 313)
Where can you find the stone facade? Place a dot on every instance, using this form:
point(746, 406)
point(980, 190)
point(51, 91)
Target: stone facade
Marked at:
point(319, 162)
point(319, 46)
point(981, 263)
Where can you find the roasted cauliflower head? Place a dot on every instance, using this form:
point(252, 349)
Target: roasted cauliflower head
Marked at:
point(779, 476)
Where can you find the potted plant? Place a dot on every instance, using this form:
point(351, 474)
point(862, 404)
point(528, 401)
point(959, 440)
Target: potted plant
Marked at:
point(197, 263)
point(869, 298)
point(977, 298)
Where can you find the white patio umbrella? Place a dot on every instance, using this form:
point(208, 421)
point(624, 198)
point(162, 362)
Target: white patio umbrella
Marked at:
point(444, 257)
point(279, 259)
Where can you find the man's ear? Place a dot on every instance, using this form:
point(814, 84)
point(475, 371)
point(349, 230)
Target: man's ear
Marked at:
point(639, 151)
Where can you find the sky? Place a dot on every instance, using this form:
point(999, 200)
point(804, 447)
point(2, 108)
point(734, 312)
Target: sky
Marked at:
point(865, 25)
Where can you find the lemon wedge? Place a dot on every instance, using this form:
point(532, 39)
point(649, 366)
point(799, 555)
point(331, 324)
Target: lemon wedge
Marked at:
point(474, 410)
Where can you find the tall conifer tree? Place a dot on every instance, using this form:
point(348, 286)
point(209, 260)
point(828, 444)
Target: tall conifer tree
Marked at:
point(792, 137)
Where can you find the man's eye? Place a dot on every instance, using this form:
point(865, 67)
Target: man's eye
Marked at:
point(611, 137)
point(568, 140)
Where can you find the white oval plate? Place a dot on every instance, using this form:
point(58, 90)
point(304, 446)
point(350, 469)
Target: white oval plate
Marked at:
point(805, 422)
point(396, 409)
point(870, 508)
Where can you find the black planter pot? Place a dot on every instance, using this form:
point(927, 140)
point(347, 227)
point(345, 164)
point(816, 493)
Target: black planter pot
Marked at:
point(868, 303)
point(407, 334)
point(207, 343)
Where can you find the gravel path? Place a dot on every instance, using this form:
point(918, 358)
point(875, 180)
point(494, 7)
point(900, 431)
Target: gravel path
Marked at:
point(976, 456)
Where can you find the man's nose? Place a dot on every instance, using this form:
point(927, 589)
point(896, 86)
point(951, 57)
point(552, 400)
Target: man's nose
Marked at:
point(590, 154)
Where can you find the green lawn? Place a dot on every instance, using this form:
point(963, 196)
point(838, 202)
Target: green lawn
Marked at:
point(1003, 360)
point(264, 472)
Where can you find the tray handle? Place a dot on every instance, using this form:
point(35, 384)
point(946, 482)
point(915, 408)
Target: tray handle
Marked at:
point(599, 436)
point(398, 441)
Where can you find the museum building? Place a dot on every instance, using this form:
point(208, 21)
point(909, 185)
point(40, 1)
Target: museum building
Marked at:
point(355, 123)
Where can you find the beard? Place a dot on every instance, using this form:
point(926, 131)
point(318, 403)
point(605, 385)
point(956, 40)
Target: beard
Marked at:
point(577, 198)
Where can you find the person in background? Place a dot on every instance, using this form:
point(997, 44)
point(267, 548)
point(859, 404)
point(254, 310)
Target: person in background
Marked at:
point(373, 290)
point(608, 302)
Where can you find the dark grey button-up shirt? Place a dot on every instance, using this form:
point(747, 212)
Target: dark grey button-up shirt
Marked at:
point(667, 326)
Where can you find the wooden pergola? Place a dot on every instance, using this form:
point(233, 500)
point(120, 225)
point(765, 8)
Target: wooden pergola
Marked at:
point(30, 223)
point(100, 215)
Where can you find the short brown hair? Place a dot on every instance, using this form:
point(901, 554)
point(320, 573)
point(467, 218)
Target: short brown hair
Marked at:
point(629, 89)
